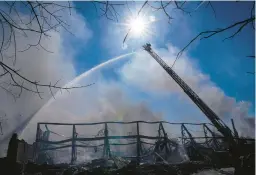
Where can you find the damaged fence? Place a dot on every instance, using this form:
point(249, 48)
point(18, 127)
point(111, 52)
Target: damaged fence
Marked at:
point(138, 141)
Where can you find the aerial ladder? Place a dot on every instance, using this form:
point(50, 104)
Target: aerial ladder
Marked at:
point(210, 114)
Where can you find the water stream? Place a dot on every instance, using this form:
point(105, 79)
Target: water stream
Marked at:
point(76, 80)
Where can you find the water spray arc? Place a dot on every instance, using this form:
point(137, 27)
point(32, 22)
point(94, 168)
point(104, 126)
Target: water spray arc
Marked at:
point(77, 79)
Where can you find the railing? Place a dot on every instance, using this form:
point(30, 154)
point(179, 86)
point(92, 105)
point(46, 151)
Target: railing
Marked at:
point(142, 139)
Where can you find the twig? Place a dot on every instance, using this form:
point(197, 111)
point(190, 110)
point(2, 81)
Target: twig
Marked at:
point(12, 72)
point(251, 56)
point(210, 3)
point(163, 7)
point(210, 33)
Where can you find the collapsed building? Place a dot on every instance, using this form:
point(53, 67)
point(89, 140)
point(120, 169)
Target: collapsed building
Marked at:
point(118, 145)
point(106, 141)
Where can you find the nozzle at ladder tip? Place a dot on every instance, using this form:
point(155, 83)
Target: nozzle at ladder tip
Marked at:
point(147, 46)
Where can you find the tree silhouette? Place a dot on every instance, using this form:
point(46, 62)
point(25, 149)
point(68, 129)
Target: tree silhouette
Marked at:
point(41, 18)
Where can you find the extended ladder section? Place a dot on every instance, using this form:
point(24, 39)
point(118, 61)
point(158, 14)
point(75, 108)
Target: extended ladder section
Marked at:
point(216, 121)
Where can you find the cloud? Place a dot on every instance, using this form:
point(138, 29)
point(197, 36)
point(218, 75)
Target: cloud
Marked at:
point(39, 65)
point(145, 73)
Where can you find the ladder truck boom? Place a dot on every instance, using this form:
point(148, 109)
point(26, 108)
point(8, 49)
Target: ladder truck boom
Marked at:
point(211, 115)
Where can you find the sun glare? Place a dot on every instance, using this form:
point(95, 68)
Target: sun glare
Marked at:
point(138, 26)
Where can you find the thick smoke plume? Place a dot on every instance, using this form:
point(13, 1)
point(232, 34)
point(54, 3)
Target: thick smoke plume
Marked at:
point(104, 102)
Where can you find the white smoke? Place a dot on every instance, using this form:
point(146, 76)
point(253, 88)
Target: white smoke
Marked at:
point(105, 101)
point(37, 64)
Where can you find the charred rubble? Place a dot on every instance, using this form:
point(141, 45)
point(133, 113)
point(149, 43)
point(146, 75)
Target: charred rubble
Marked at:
point(158, 154)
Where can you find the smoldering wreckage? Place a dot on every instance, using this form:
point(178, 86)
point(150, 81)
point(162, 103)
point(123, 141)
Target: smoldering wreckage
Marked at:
point(112, 151)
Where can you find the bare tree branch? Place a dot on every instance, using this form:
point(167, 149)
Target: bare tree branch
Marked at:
point(46, 17)
point(251, 56)
point(210, 33)
point(167, 14)
point(9, 92)
point(36, 84)
point(107, 9)
point(180, 7)
point(253, 14)
point(210, 3)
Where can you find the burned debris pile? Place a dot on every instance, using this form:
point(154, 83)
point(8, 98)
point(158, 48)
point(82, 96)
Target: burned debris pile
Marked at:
point(113, 150)
point(102, 168)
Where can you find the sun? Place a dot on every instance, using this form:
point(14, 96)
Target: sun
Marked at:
point(140, 26)
point(137, 26)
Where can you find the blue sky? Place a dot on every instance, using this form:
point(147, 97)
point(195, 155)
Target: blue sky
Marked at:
point(224, 62)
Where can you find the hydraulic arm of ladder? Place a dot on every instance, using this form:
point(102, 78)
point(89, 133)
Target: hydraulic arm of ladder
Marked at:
point(216, 121)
